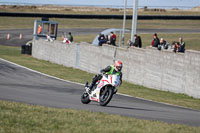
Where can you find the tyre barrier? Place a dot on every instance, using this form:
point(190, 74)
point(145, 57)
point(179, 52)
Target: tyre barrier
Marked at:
point(27, 48)
point(90, 16)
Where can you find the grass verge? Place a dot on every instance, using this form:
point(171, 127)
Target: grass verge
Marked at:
point(19, 118)
point(25, 22)
point(13, 54)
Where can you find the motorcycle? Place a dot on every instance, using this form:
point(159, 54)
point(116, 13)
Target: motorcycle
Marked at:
point(102, 91)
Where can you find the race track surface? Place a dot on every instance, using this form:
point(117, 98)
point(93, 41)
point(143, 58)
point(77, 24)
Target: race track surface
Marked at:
point(22, 85)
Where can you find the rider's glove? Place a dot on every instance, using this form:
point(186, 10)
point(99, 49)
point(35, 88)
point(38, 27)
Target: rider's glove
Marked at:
point(103, 73)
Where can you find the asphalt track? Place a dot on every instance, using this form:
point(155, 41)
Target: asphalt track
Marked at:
point(23, 85)
point(28, 34)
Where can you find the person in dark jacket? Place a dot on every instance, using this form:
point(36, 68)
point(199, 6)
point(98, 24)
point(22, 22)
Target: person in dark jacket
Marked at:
point(182, 45)
point(138, 41)
point(101, 39)
point(155, 41)
point(70, 37)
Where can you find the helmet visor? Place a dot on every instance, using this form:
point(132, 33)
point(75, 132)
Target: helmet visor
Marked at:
point(119, 68)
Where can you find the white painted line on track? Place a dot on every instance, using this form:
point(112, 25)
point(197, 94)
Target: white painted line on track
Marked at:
point(84, 84)
point(40, 72)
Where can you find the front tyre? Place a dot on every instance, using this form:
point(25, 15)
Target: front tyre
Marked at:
point(105, 96)
point(85, 98)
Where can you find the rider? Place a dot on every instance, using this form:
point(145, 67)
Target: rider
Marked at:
point(112, 69)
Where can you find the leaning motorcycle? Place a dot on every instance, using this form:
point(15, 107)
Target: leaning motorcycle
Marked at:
point(102, 91)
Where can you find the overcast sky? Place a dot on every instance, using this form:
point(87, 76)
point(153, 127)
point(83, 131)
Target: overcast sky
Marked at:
point(112, 2)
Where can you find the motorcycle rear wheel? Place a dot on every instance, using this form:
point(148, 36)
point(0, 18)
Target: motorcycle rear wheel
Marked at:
point(104, 99)
point(85, 98)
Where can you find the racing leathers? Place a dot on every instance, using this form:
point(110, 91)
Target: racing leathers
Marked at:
point(109, 70)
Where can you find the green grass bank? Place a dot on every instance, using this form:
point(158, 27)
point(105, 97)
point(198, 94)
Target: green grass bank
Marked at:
point(23, 118)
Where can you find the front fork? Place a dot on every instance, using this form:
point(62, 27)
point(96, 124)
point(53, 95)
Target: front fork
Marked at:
point(103, 94)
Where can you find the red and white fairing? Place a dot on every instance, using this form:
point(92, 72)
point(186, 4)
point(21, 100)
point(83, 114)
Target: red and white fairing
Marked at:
point(113, 80)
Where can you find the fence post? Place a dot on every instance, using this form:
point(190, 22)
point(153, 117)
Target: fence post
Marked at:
point(77, 55)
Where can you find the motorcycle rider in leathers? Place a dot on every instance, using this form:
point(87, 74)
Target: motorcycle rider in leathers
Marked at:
point(109, 70)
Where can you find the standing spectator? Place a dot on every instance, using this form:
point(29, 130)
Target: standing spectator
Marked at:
point(101, 39)
point(138, 41)
point(113, 39)
point(182, 45)
point(39, 30)
point(70, 37)
point(155, 41)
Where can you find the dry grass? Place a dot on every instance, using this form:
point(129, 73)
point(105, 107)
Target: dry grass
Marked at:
point(92, 10)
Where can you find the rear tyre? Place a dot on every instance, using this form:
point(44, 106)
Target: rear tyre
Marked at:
point(105, 96)
point(85, 98)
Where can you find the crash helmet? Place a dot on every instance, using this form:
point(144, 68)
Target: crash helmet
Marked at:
point(118, 66)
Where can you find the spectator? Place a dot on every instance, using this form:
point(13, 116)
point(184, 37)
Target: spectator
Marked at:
point(155, 41)
point(182, 45)
point(138, 41)
point(163, 44)
point(70, 37)
point(107, 39)
point(113, 39)
point(101, 39)
point(173, 46)
point(49, 39)
point(39, 30)
point(66, 40)
point(130, 43)
point(177, 47)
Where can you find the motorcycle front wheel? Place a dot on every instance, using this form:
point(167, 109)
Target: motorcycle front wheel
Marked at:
point(85, 98)
point(105, 96)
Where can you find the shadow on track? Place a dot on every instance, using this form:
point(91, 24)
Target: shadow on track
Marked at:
point(129, 108)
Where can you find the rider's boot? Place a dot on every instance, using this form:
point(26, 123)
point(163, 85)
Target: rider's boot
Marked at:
point(91, 86)
point(94, 80)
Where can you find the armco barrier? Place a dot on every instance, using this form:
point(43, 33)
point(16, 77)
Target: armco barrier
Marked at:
point(96, 16)
point(163, 70)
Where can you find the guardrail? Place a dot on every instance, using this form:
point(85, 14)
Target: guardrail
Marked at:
point(90, 16)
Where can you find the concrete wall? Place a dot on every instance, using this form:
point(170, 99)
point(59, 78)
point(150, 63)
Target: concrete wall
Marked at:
point(163, 70)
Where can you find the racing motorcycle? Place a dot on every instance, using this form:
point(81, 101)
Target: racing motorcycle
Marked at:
point(102, 91)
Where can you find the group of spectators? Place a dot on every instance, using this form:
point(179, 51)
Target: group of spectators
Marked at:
point(156, 42)
point(108, 39)
point(163, 44)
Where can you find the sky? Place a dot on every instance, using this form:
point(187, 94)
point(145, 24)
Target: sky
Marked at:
point(152, 3)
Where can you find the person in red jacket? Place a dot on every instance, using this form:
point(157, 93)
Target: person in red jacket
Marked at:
point(113, 39)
